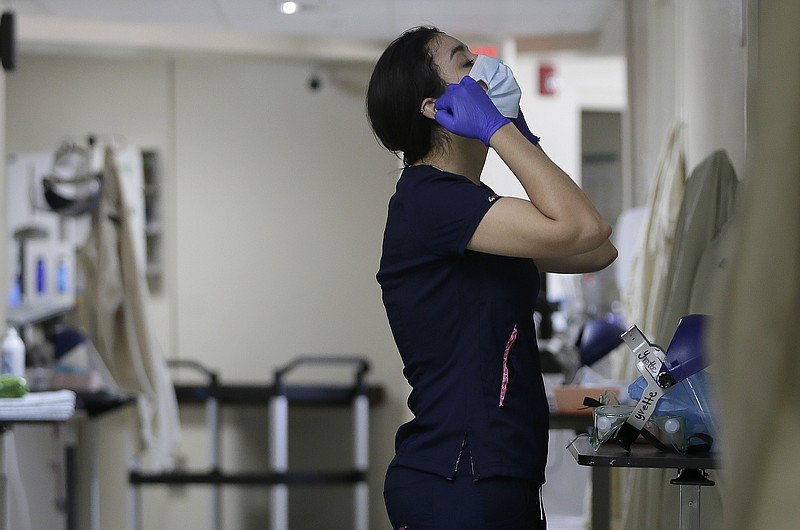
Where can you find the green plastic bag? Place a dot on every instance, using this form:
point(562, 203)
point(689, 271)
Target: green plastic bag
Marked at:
point(12, 386)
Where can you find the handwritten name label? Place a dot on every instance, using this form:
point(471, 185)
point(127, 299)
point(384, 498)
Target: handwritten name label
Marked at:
point(649, 361)
point(644, 404)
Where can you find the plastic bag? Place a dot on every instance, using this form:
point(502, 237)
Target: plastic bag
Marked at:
point(691, 400)
point(665, 430)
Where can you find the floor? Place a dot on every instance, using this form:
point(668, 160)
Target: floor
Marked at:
point(565, 522)
point(567, 491)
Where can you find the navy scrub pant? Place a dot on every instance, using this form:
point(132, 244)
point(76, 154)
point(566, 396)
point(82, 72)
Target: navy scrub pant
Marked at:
point(416, 500)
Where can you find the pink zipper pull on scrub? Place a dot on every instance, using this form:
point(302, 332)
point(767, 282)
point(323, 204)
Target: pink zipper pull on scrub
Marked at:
point(504, 384)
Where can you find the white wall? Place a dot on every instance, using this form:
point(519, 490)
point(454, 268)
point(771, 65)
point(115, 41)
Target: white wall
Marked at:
point(275, 202)
point(713, 57)
point(687, 64)
point(585, 82)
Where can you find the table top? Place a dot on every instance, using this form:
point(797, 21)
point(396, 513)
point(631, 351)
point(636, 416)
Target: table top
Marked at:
point(92, 403)
point(98, 403)
point(642, 455)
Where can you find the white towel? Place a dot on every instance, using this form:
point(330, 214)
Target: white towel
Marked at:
point(58, 405)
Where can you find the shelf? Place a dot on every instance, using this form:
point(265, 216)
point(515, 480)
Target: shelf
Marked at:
point(33, 313)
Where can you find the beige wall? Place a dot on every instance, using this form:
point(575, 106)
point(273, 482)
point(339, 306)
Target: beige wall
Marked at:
point(762, 292)
point(275, 201)
point(686, 64)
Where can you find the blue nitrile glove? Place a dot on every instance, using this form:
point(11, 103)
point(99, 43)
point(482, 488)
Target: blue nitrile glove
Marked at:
point(466, 110)
point(519, 121)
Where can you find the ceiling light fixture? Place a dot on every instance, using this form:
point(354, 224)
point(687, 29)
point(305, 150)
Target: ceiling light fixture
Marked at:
point(289, 8)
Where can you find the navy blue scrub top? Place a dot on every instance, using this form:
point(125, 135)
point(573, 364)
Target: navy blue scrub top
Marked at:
point(463, 324)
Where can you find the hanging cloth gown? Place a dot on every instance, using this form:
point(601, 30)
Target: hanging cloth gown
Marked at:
point(643, 296)
point(755, 344)
point(700, 252)
point(113, 311)
point(705, 211)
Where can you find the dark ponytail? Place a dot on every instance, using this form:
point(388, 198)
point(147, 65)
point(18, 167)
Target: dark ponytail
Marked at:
point(403, 77)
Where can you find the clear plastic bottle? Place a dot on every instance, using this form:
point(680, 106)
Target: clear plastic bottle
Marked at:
point(13, 354)
point(62, 278)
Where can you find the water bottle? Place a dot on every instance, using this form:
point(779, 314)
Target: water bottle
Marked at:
point(62, 278)
point(13, 354)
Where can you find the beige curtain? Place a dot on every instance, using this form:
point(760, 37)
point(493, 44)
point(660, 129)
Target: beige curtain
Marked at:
point(643, 296)
point(700, 243)
point(701, 239)
point(755, 341)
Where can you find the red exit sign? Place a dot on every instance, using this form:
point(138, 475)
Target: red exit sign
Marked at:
point(491, 51)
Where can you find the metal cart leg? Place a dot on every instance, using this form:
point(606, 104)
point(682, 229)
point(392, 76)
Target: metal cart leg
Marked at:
point(3, 481)
point(94, 481)
point(279, 451)
point(601, 486)
point(135, 499)
point(279, 412)
point(690, 507)
point(690, 481)
point(214, 434)
point(212, 418)
point(361, 464)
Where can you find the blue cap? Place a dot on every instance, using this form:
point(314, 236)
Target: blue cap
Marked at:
point(598, 339)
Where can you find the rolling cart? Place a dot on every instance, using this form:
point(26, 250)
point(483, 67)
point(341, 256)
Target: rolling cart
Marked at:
point(279, 454)
point(278, 396)
point(210, 397)
point(691, 470)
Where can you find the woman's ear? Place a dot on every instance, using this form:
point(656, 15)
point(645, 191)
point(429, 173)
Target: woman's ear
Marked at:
point(428, 108)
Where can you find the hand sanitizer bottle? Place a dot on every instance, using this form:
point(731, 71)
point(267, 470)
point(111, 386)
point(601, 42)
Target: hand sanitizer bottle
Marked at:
point(13, 354)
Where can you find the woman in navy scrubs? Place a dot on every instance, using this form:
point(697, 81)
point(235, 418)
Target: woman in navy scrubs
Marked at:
point(459, 275)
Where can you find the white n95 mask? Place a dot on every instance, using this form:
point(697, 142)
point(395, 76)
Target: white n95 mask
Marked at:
point(503, 88)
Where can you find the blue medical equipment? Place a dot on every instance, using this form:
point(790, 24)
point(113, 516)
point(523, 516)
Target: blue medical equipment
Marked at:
point(661, 373)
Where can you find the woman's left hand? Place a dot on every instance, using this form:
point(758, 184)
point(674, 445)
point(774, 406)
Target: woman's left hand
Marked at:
point(522, 125)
